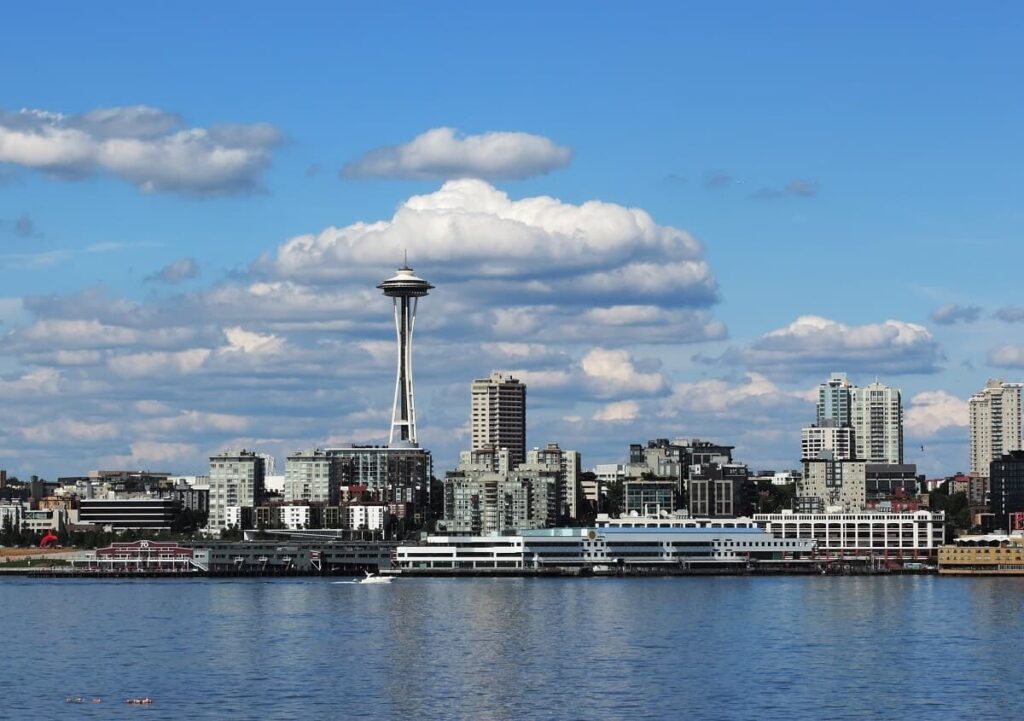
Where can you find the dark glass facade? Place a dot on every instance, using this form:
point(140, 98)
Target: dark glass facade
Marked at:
point(1006, 480)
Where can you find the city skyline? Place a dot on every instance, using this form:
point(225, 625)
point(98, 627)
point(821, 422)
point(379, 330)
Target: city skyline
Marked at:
point(189, 269)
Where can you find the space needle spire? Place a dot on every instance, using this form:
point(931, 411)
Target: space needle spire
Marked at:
point(405, 289)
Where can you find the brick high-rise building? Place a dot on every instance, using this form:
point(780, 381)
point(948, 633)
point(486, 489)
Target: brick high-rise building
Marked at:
point(498, 415)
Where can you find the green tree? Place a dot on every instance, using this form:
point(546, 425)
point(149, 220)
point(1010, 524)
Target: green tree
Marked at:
point(612, 502)
point(772, 498)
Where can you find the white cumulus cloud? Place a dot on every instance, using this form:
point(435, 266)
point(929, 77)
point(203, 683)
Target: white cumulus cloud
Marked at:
point(469, 228)
point(612, 372)
point(932, 411)
point(721, 397)
point(618, 412)
point(815, 344)
point(445, 153)
point(145, 146)
point(244, 341)
point(1007, 356)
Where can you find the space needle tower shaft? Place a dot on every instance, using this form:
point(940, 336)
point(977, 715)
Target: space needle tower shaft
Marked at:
point(405, 289)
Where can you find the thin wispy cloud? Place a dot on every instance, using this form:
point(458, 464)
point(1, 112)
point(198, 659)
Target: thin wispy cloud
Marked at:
point(795, 188)
point(1010, 314)
point(176, 272)
point(717, 179)
point(23, 227)
point(951, 313)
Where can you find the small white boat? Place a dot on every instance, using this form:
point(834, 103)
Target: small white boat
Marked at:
point(375, 578)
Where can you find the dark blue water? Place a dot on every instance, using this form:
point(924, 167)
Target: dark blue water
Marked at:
point(694, 648)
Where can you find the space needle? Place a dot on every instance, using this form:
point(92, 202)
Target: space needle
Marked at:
point(405, 288)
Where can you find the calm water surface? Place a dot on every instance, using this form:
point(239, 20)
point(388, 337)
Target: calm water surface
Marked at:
point(694, 648)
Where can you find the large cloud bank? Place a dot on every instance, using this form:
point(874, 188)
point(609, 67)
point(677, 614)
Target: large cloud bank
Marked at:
point(301, 350)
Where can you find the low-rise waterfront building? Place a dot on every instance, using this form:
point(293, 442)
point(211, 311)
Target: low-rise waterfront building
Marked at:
point(908, 536)
point(302, 553)
point(987, 555)
point(142, 557)
point(606, 547)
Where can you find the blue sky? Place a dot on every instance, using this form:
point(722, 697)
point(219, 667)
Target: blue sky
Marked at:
point(860, 163)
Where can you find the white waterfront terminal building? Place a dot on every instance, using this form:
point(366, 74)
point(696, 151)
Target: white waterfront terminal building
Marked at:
point(690, 543)
point(610, 543)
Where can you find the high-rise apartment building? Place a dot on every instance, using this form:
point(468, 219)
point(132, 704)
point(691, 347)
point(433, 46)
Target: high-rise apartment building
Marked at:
point(313, 476)
point(567, 465)
point(856, 423)
point(995, 423)
point(834, 401)
point(399, 472)
point(236, 480)
point(876, 414)
point(481, 496)
point(486, 494)
point(835, 441)
point(498, 415)
point(831, 436)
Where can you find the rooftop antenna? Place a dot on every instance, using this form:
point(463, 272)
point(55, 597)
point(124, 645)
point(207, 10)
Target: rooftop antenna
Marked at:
point(406, 258)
